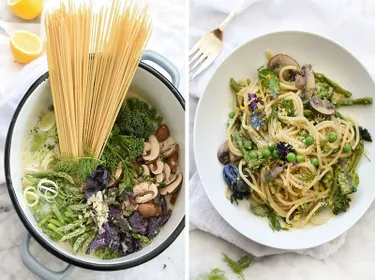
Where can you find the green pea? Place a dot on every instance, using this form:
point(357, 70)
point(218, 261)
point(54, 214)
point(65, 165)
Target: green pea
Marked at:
point(253, 155)
point(315, 162)
point(291, 157)
point(231, 115)
point(332, 137)
point(275, 154)
point(247, 144)
point(271, 145)
point(328, 176)
point(300, 159)
point(309, 140)
point(326, 149)
point(347, 148)
point(266, 153)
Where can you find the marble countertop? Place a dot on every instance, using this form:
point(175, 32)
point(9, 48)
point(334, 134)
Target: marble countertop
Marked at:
point(168, 265)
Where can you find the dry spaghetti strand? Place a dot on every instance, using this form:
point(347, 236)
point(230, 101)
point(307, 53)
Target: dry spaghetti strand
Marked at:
point(92, 58)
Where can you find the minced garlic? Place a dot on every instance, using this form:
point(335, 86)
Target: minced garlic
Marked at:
point(101, 209)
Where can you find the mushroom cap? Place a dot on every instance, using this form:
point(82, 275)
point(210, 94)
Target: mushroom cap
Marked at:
point(173, 149)
point(155, 149)
point(321, 106)
point(150, 209)
point(166, 145)
point(223, 153)
point(162, 133)
point(279, 61)
point(173, 186)
point(308, 75)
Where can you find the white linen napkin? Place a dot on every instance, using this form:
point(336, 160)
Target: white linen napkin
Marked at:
point(348, 22)
point(167, 39)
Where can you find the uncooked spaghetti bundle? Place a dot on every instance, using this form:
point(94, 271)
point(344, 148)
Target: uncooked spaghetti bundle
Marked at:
point(92, 58)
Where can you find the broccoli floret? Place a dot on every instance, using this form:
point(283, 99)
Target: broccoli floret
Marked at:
point(127, 146)
point(137, 118)
point(340, 202)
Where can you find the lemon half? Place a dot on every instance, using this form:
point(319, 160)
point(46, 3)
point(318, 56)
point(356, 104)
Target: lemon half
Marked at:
point(26, 9)
point(25, 46)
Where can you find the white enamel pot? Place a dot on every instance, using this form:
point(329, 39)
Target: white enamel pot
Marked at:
point(161, 94)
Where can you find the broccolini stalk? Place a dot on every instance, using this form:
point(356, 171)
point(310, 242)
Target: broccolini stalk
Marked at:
point(358, 101)
point(236, 87)
point(356, 156)
point(339, 115)
point(336, 87)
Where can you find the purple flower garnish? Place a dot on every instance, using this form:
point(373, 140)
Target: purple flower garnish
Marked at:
point(294, 163)
point(254, 101)
point(283, 149)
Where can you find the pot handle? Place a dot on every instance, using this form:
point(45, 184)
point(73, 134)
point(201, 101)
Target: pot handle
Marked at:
point(163, 63)
point(36, 267)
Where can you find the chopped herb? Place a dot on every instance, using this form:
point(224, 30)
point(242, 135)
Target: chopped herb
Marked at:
point(269, 81)
point(240, 265)
point(215, 274)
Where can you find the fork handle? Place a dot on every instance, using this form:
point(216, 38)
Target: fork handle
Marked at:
point(232, 14)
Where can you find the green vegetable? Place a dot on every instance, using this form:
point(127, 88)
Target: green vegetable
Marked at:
point(81, 167)
point(129, 147)
point(347, 148)
point(51, 234)
point(309, 140)
point(71, 226)
point(337, 88)
point(57, 213)
point(253, 155)
point(38, 142)
point(300, 159)
point(315, 162)
point(275, 154)
point(137, 119)
point(269, 81)
point(236, 87)
point(349, 102)
point(260, 210)
point(365, 134)
point(340, 200)
point(106, 253)
point(332, 137)
point(52, 176)
point(238, 139)
point(143, 239)
point(287, 107)
point(328, 176)
point(247, 144)
point(79, 242)
point(240, 265)
point(87, 242)
point(324, 91)
point(291, 157)
point(266, 153)
point(339, 115)
point(75, 233)
point(271, 145)
point(215, 274)
point(326, 149)
point(55, 222)
point(231, 115)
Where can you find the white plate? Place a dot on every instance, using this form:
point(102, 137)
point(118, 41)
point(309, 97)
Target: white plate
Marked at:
point(212, 115)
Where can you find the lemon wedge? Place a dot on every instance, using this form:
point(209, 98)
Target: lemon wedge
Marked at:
point(25, 46)
point(26, 9)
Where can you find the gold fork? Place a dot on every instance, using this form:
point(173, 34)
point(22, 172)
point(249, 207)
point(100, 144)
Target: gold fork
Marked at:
point(208, 48)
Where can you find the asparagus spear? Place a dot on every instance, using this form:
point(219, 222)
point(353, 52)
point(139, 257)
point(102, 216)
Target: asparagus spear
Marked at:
point(358, 101)
point(238, 139)
point(356, 156)
point(234, 85)
point(336, 87)
point(339, 115)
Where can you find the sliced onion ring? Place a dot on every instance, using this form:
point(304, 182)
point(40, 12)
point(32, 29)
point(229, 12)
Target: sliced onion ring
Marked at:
point(30, 191)
point(47, 190)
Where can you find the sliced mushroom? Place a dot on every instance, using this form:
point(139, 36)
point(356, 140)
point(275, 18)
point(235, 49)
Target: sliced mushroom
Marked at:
point(273, 173)
point(309, 88)
point(155, 150)
point(173, 149)
point(223, 153)
point(119, 174)
point(162, 133)
point(166, 145)
point(171, 178)
point(167, 171)
point(321, 106)
point(146, 148)
point(279, 61)
point(149, 209)
point(157, 168)
point(173, 186)
point(160, 178)
point(173, 162)
point(145, 192)
point(146, 170)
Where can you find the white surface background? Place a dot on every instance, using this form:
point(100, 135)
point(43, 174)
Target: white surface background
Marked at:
point(350, 23)
point(168, 39)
